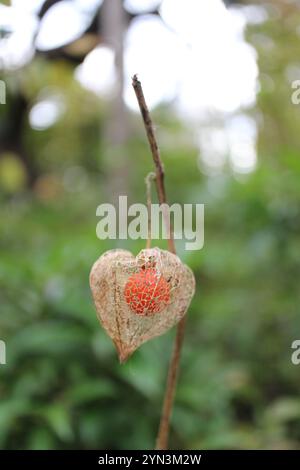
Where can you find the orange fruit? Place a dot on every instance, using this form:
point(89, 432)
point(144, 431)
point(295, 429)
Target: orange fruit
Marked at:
point(147, 292)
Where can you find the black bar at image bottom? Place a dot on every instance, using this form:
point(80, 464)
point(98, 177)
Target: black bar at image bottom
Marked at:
point(135, 459)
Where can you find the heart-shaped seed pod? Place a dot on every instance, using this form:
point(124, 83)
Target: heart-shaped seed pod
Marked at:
point(139, 298)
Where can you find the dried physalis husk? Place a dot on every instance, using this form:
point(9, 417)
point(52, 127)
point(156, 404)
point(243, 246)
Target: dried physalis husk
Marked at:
point(138, 298)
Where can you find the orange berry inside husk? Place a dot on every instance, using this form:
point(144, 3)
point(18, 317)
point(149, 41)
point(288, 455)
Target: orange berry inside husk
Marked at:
point(147, 292)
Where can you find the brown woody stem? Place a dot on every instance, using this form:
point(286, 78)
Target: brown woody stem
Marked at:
point(163, 432)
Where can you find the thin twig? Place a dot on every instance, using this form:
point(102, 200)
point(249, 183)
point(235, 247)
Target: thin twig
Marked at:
point(159, 169)
point(163, 432)
point(148, 180)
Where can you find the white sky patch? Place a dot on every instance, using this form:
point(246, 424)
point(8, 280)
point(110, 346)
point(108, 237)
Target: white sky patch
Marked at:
point(232, 142)
point(32, 6)
point(97, 72)
point(255, 14)
point(242, 134)
point(213, 146)
point(17, 48)
point(153, 52)
point(141, 6)
point(201, 57)
point(62, 24)
point(88, 5)
point(46, 112)
point(220, 68)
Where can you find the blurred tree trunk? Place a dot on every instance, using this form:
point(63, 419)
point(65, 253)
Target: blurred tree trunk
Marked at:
point(113, 21)
point(12, 133)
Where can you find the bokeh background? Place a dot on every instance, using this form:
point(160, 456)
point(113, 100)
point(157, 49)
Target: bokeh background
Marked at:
point(218, 79)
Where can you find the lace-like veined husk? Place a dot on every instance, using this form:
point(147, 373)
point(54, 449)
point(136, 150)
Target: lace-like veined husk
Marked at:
point(127, 328)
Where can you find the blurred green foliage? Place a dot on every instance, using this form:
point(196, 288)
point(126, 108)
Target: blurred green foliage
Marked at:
point(62, 387)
